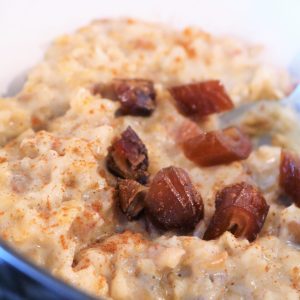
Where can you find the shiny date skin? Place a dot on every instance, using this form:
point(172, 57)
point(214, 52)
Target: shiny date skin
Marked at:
point(240, 209)
point(289, 178)
point(217, 147)
point(130, 196)
point(172, 201)
point(128, 157)
point(200, 99)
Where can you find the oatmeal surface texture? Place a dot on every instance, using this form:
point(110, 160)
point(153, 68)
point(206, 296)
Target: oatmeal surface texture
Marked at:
point(57, 203)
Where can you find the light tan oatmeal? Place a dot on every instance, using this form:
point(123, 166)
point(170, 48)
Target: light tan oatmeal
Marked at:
point(104, 104)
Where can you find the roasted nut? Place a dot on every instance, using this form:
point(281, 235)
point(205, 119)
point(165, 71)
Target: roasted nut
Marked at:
point(131, 196)
point(137, 96)
point(201, 99)
point(240, 209)
point(289, 178)
point(218, 147)
point(127, 157)
point(172, 201)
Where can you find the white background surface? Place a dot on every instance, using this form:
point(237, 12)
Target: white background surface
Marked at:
point(27, 26)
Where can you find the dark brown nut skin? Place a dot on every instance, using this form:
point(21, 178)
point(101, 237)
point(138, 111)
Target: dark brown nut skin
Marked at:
point(128, 157)
point(130, 195)
point(218, 147)
point(240, 209)
point(200, 99)
point(137, 96)
point(172, 201)
point(289, 178)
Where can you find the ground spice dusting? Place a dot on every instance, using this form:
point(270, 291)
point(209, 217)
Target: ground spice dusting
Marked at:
point(63, 242)
point(58, 205)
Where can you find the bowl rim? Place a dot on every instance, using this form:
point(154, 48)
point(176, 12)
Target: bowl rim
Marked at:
point(41, 276)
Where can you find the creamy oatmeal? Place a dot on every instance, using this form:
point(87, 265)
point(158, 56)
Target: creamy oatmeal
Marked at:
point(117, 178)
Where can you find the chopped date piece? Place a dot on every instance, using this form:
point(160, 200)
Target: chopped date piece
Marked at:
point(201, 99)
point(131, 196)
point(137, 96)
point(218, 147)
point(240, 209)
point(128, 158)
point(290, 175)
point(172, 201)
point(105, 90)
point(187, 130)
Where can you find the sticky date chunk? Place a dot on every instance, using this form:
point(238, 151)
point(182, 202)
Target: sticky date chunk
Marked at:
point(187, 130)
point(137, 96)
point(131, 196)
point(106, 90)
point(201, 99)
point(240, 209)
point(172, 201)
point(290, 175)
point(128, 158)
point(218, 147)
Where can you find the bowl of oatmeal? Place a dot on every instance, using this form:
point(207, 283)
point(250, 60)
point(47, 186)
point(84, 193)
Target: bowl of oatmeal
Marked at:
point(119, 177)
